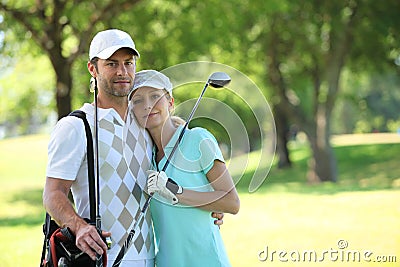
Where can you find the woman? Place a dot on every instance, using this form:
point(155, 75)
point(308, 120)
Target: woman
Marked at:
point(195, 182)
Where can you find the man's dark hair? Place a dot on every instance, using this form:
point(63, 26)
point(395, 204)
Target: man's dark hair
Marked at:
point(94, 63)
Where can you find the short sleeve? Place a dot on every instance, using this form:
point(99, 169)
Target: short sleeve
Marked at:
point(66, 149)
point(209, 149)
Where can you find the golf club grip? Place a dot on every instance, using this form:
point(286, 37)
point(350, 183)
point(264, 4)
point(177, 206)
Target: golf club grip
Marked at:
point(99, 257)
point(128, 240)
point(99, 260)
point(124, 248)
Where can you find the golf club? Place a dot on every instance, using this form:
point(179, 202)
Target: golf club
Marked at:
point(216, 80)
point(94, 89)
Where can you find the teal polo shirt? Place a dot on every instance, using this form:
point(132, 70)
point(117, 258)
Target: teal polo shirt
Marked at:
point(187, 236)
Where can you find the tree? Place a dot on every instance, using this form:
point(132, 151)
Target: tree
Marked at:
point(321, 61)
point(296, 50)
point(307, 48)
point(304, 47)
point(62, 30)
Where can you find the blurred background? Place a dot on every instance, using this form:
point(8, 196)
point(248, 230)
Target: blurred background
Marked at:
point(330, 71)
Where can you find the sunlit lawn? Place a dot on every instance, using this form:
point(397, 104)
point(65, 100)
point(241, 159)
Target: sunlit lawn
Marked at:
point(283, 215)
point(299, 223)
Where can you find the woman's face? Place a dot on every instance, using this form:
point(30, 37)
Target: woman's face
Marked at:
point(151, 106)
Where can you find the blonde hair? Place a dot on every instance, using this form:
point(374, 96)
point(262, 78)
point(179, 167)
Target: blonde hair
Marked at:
point(177, 121)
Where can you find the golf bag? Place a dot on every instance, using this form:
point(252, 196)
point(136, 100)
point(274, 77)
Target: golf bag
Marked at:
point(59, 248)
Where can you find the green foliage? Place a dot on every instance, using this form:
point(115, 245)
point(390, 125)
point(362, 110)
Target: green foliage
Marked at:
point(393, 126)
point(367, 103)
point(236, 33)
point(220, 111)
point(26, 95)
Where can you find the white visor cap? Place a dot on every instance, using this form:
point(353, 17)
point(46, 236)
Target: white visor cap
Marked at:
point(151, 78)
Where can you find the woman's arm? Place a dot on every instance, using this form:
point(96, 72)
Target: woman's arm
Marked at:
point(224, 198)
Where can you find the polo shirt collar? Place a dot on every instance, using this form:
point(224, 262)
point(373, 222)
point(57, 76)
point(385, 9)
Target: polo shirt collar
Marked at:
point(102, 113)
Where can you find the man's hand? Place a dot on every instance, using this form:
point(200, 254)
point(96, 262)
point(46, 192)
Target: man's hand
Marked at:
point(164, 186)
point(89, 241)
point(219, 216)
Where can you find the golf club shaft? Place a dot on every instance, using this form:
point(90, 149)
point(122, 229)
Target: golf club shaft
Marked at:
point(128, 241)
point(99, 258)
point(185, 127)
point(178, 141)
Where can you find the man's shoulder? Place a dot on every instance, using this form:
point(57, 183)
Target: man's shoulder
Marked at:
point(69, 124)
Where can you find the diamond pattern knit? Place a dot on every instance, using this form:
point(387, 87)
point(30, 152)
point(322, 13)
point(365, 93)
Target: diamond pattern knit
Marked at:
point(123, 179)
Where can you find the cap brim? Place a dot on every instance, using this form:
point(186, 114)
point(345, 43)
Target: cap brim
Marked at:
point(148, 84)
point(108, 52)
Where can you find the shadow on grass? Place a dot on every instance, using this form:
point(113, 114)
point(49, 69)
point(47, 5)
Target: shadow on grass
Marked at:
point(32, 199)
point(29, 220)
point(360, 168)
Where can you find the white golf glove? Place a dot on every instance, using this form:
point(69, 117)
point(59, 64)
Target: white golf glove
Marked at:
point(164, 186)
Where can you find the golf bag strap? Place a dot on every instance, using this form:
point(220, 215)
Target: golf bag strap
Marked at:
point(90, 161)
point(46, 231)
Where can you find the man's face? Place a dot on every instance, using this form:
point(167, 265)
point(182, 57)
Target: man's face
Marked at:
point(115, 75)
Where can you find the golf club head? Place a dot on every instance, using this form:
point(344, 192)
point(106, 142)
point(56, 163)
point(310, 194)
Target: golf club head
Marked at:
point(219, 79)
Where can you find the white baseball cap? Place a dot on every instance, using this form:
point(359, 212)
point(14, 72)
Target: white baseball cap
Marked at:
point(105, 43)
point(151, 78)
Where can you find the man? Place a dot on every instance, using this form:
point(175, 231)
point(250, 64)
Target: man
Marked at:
point(112, 62)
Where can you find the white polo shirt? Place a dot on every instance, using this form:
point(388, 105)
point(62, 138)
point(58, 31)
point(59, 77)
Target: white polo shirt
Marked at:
point(122, 176)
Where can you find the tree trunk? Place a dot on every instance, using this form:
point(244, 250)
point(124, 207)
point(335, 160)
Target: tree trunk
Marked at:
point(63, 96)
point(63, 88)
point(282, 130)
point(322, 165)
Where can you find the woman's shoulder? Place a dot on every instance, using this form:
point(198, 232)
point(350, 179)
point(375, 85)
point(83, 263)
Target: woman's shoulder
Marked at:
point(200, 133)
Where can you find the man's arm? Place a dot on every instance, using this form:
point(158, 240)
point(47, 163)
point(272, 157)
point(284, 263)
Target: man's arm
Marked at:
point(57, 204)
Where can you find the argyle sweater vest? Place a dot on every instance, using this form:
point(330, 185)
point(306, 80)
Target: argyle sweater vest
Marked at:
point(123, 161)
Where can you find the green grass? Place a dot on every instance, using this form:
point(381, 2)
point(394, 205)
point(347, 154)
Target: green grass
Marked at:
point(284, 214)
point(22, 172)
point(292, 222)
